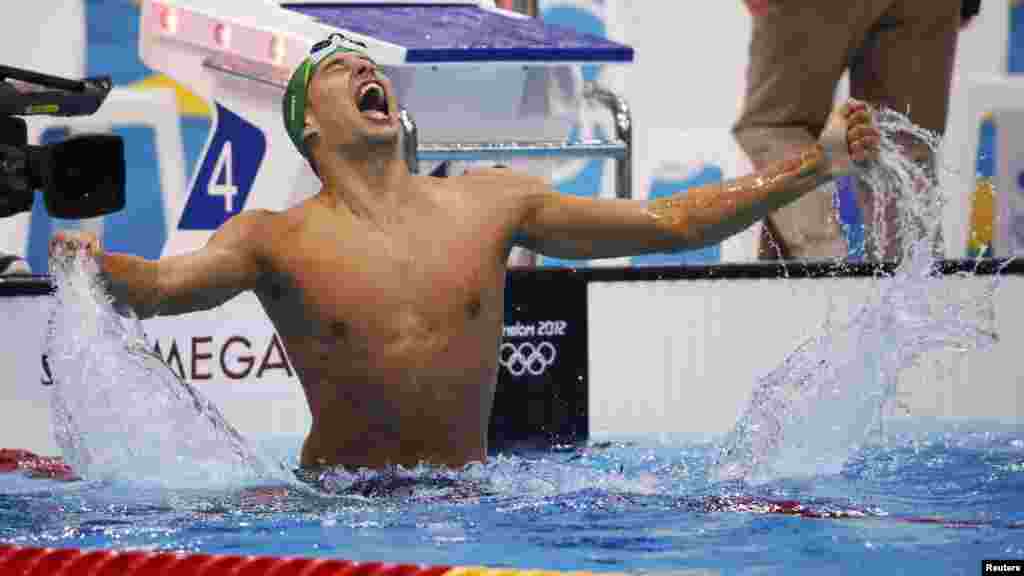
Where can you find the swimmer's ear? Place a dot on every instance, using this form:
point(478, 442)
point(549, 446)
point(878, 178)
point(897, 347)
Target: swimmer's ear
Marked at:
point(310, 133)
point(311, 127)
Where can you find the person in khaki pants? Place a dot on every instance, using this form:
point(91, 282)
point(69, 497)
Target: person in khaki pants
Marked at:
point(900, 55)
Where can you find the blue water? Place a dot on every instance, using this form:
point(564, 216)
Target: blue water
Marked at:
point(639, 506)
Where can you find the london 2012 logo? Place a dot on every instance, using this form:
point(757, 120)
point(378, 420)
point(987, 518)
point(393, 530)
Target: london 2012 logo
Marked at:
point(527, 357)
point(530, 357)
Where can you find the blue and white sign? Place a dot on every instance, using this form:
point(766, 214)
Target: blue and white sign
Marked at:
point(225, 177)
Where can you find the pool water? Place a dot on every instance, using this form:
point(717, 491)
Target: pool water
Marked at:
point(935, 501)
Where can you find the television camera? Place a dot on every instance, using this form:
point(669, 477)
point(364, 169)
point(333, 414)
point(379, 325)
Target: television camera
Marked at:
point(82, 176)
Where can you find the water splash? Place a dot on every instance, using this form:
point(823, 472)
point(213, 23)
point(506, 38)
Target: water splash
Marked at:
point(529, 479)
point(904, 180)
point(811, 413)
point(119, 412)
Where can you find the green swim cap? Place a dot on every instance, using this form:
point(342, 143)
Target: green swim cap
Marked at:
point(293, 106)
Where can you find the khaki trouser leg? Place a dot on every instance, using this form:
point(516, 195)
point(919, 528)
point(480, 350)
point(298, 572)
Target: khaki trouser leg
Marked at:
point(798, 52)
point(807, 228)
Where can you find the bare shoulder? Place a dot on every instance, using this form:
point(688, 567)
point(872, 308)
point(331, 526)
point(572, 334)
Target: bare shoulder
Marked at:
point(506, 179)
point(256, 236)
point(498, 174)
point(278, 224)
point(245, 227)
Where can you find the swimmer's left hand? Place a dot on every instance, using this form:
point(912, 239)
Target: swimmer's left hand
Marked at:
point(66, 243)
point(851, 137)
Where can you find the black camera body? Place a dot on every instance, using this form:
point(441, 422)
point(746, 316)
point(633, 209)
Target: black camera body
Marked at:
point(80, 177)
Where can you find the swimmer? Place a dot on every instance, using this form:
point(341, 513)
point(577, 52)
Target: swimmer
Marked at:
point(387, 288)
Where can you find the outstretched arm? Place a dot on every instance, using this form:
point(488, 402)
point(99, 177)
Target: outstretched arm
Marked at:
point(573, 227)
point(228, 264)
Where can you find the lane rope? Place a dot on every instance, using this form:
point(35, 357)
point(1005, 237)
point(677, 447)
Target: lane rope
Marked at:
point(31, 561)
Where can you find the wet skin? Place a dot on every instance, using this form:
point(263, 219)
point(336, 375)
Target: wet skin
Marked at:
point(393, 329)
point(387, 288)
point(391, 317)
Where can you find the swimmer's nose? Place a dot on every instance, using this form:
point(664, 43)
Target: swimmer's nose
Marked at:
point(363, 68)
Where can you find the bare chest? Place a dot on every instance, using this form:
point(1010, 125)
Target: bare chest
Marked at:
point(418, 289)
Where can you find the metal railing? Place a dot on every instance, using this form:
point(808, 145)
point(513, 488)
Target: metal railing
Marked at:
point(620, 148)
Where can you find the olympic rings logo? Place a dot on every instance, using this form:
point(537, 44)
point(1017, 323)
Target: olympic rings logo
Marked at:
point(527, 357)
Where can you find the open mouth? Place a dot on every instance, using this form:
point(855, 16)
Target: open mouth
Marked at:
point(372, 101)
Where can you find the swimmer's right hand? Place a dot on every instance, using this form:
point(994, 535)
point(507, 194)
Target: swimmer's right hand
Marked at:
point(66, 243)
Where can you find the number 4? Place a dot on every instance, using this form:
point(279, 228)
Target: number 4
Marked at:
point(222, 171)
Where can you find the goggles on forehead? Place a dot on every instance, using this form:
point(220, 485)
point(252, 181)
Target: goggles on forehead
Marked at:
point(334, 42)
point(293, 105)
